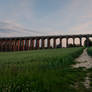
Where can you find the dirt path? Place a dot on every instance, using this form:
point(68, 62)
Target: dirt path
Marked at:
point(83, 61)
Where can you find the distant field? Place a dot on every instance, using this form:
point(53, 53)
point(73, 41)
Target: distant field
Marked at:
point(41, 71)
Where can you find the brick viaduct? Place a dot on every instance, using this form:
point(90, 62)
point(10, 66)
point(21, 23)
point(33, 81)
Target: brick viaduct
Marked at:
point(37, 42)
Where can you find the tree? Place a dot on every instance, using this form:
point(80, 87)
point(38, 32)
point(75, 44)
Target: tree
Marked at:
point(89, 43)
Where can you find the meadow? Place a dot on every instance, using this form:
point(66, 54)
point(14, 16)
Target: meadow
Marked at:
point(41, 71)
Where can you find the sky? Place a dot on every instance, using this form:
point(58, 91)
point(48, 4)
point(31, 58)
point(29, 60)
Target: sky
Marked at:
point(45, 17)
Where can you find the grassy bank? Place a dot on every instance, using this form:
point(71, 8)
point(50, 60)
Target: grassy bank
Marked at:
point(41, 71)
point(90, 70)
point(89, 50)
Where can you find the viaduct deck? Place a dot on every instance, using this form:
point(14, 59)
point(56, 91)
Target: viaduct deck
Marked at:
point(38, 42)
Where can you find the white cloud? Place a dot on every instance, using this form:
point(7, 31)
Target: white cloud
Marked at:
point(62, 20)
point(82, 28)
point(9, 28)
point(74, 17)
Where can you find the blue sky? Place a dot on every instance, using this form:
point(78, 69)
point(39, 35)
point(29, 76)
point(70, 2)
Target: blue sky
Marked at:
point(45, 17)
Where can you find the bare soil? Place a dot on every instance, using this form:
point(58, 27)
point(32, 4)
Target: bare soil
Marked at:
point(84, 60)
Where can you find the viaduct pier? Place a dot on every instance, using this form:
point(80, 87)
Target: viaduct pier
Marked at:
point(38, 42)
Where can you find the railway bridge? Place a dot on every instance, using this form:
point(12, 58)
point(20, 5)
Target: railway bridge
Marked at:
point(39, 42)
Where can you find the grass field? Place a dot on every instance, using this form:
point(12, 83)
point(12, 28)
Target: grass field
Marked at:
point(41, 71)
point(90, 70)
point(90, 51)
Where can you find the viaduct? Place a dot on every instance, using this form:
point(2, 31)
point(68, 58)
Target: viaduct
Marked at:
point(38, 42)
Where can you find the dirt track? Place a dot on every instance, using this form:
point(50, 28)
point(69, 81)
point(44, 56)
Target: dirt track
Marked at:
point(83, 60)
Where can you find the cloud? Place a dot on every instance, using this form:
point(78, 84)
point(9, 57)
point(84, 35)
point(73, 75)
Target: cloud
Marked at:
point(71, 17)
point(74, 14)
point(13, 29)
point(89, 15)
point(83, 28)
point(17, 10)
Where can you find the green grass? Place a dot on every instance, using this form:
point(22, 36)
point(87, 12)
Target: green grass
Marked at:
point(41, 71)
point(90, 70)
point(89, 50)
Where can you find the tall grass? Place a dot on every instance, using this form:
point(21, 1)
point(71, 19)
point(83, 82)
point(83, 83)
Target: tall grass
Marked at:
point(89, 50)
point(39, 71)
